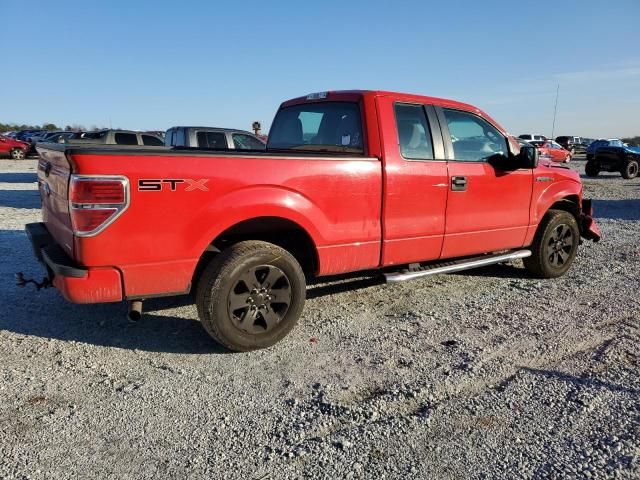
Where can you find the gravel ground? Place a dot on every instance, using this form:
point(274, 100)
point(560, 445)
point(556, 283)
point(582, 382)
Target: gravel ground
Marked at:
point(487, 374)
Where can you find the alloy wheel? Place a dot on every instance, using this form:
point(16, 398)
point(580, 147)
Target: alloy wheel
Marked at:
point(259, 299)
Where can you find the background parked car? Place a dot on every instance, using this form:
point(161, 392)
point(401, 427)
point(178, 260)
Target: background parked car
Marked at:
point(603, 142)
point(117, 137)
point(56, 137)
point(530, 137)
point(16, 149)
point(572, 143)
point(552, 151)
point(212, 138)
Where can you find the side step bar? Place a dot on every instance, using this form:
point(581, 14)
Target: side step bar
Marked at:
point(455, 266)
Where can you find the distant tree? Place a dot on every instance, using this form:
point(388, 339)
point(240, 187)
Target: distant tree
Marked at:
point(50, 127)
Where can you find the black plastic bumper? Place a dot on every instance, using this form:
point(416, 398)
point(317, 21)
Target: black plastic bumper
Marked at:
point(51, 254)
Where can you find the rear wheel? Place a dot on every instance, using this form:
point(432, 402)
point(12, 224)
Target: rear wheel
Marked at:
point(592, 169)
point(554, 246)
point(251, 295)
point(630, 170)
point(18, 154)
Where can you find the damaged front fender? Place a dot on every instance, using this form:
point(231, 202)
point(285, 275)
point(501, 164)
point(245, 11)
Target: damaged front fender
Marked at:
point(588, 227)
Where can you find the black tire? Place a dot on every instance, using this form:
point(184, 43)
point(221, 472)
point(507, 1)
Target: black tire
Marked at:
point(554, 246)
point(18, 154)
point(630, 170)
point(250, 275)
point(592, 169)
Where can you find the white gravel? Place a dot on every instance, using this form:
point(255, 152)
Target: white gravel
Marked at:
point(486, 374)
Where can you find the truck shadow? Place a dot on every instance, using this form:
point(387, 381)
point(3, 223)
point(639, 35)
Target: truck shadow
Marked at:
point(18, 177)
point(20, 199)
point(617, 209)
point(45, 314)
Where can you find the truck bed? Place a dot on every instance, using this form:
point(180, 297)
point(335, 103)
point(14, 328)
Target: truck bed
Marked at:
point(157, 241)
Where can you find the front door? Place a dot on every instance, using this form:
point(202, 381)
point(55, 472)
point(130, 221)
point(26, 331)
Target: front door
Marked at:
point(487, 208)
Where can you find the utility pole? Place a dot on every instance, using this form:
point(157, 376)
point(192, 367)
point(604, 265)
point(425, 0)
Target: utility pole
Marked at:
point(555, 111)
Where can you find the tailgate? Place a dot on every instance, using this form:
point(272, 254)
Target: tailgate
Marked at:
point(54, 171)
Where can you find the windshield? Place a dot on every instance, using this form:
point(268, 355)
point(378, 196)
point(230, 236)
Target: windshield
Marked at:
point(320, 127)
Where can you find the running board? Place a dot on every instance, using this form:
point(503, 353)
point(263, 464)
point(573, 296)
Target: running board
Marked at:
point(455, 266)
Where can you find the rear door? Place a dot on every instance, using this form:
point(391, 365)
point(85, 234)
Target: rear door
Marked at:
point(415, 182)
point(487, 208)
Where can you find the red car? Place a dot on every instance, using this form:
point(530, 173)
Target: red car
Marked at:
point(402, 185)
point(553, 151)
point(14, 148)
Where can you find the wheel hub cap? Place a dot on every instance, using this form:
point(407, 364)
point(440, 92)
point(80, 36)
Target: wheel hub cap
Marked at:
point(561, 243)
point(259, 299)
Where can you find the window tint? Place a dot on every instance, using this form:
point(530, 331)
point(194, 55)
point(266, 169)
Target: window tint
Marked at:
point(178, 138)
point(154, 141)
point(211, 140)
point(247, 142)
point(168, 137)
point(324, 126)
point(126, 138)
point(413, 132)
point(474, 139)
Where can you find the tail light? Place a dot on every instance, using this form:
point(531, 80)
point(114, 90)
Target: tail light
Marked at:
point(95, 202)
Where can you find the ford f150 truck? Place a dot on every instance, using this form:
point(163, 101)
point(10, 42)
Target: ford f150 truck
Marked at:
point(402, 185)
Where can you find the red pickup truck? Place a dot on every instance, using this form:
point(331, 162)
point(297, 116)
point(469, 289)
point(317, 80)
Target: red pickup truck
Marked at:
point(403, 185)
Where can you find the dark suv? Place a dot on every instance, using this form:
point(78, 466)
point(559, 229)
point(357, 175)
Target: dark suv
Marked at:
point(573, 144)
point(614, 159)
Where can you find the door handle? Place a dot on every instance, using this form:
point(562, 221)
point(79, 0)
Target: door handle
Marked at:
point(458, 184)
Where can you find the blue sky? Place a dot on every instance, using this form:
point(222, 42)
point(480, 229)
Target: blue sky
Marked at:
point(154, 64)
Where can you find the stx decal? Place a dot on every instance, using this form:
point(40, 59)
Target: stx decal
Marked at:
point(159, 184)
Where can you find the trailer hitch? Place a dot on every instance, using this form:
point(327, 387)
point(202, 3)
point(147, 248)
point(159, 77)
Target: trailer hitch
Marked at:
point(22, 282)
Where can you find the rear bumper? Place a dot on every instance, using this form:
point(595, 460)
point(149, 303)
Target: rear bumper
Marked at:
point(588, 227)
point(77, 284)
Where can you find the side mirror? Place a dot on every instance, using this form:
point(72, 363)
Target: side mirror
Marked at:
point(528, 156)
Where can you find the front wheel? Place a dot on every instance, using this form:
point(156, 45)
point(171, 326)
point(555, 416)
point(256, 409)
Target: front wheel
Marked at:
point(18, 154)
point(630, 170)
point(251, 295)
point(554, 246)
point(592, 169)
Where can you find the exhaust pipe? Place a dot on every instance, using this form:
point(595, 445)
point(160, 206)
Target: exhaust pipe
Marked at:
point(135, 310)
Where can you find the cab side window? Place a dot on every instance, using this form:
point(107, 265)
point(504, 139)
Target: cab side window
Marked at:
point(473, 138)
point(414, 135)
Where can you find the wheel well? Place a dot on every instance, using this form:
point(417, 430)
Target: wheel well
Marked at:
point(279, 231)
point(569, 204)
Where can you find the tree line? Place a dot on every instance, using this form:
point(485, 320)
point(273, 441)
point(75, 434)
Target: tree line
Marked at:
point(51, 127)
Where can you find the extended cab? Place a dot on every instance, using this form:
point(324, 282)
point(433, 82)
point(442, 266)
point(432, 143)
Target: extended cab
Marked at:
point(399, 184)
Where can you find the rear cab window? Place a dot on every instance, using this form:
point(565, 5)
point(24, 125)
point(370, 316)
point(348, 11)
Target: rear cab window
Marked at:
point(318, 127)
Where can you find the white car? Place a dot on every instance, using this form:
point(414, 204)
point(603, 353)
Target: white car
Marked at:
point(528, 137)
